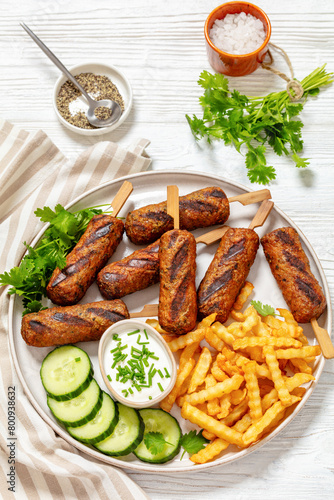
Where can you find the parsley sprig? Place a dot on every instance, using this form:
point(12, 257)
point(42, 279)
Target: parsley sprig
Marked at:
point(255, 122)
point(30, 278)
point(191, 442)
point(264, 309)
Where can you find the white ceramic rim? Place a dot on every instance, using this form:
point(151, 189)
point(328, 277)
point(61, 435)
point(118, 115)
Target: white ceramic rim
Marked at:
point(104, 69)
point(136, 323)
point(142, 466)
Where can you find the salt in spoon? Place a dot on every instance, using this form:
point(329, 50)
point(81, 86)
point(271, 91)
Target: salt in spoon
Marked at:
point(115, 108)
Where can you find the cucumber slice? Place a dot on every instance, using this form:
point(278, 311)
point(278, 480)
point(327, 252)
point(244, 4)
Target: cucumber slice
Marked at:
point(79, 410)
point(157, 420)
point(101, 426)
point(127, 435)
point(66, 372)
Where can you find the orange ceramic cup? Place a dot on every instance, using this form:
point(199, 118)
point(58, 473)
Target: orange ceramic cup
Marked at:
point(232, 64)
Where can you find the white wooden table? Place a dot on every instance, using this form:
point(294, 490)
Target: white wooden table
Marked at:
point(160, 47)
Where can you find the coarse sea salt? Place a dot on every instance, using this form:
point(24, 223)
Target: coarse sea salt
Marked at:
point(238, 33)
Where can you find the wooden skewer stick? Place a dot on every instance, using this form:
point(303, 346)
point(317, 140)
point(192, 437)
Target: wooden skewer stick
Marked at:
point(173, 204)
point(212, 236)
point(121, 196)
point(253, 197)
point(148, 310)
point(323, 339)
point(262, 214)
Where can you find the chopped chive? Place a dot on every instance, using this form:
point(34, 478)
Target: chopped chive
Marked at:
point(133, 349)
point(146, 363)
point(154, 357)
point(160, 373)
point(125, 392)
point(115, 337)
point(160, 387)
point(109, 378)
point(77, 359)
point(135, 331)
point(130, 390)
point(167, 373)
point(150, 397)
point(146, 334)
point(114, 350)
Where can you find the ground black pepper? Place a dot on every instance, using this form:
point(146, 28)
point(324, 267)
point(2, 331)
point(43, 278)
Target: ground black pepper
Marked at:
point(98, 87)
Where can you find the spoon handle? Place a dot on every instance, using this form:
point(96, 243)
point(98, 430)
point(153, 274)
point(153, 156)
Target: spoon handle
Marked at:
point(56, 61)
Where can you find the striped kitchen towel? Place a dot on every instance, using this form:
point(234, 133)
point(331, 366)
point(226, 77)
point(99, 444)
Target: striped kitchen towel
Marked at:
point(36, 463)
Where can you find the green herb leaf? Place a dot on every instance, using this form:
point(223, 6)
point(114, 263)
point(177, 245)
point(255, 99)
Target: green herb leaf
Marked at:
point(155, 442)
point(263, 309)
point(192, 442)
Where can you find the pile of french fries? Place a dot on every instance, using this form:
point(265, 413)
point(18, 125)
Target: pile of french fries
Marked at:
point(238, 382)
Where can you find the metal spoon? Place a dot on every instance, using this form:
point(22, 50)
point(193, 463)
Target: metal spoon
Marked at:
point(115, 108)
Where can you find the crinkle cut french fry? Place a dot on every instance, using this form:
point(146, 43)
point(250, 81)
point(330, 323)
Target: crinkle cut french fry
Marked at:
point(254, 400)
point(189, 352)
point(219, 374)
point(210, 451)
point(236, 413)
point(253, 432)
point(244, 293)
point(237, 315)
point(299, 391)
point(154, 323)
point(207, 321)
point(300, 365)
point(302, 352)
point(239, 329)
point(213, 340)
point(276, 375)
point(237, 396)
point(222, 332)
point(212, 405)
point(208, 435)
point(225, 405)
point(216, 391)
point(189, 338)
point(198, 417)
point(201, 369)
point(263, 341)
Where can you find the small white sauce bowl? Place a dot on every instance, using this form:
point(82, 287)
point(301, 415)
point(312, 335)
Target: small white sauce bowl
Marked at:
point(125, 326)
point(116, 77)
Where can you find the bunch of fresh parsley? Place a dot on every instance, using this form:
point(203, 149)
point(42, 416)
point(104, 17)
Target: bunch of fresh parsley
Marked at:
point(30, 278)
point(255, 122)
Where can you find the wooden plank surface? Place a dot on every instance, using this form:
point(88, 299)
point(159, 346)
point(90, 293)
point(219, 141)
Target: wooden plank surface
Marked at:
point(160, 47)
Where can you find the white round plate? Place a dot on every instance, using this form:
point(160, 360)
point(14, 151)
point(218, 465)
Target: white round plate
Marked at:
point(150, 187)
point(116, 77)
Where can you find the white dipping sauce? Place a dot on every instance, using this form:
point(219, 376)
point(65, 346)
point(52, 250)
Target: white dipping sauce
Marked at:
point(143, 353)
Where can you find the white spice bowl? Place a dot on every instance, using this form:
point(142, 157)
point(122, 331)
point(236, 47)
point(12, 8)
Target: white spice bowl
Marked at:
point(115, 76)
point(104, 345)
